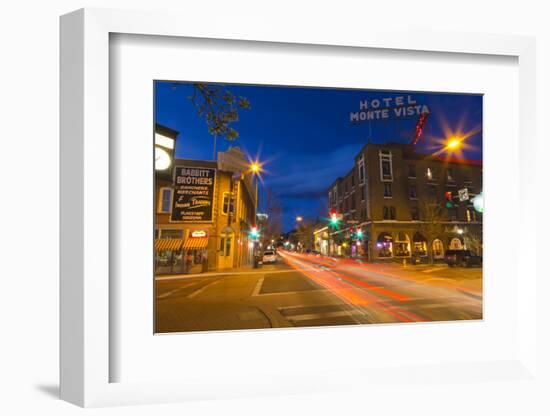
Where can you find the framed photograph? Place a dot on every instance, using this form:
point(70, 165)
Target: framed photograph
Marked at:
point(288, 213)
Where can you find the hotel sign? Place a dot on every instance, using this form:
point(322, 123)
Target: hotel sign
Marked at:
point(193, 194)
point(389, 107)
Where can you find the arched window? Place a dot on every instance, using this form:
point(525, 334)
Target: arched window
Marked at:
point(455, 244)
point(420, 244)
point(437, 247)
point(402, 245)
point(384, 245)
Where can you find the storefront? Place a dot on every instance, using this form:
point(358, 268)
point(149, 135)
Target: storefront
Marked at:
point(384, 245)
point(169, 256)
point(402, 245)
point(195, 252)
point(420, 245)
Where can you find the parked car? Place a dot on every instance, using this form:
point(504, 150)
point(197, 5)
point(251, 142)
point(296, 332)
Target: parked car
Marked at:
point(463, 258)
point(269, 257)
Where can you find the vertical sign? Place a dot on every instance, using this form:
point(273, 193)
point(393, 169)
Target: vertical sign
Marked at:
point(193, 194)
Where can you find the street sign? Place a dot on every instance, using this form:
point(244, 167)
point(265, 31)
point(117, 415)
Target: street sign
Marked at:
point(463, 194)
point(353, 222)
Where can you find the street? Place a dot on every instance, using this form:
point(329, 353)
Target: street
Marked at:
point(305, 290)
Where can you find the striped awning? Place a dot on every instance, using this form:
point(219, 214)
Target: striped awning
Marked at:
point(173, 244)
point(193, 243)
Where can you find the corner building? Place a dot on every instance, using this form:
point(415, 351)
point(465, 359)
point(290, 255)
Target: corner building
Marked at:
point(219, 242)
point(406, 204)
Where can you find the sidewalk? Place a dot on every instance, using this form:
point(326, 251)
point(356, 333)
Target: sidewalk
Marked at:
point(228, 272)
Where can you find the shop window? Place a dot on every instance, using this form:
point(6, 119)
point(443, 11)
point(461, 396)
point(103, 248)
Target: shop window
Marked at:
point(402, 245)
point(384, 245)
point(165, 200)
point(420, 245)
point(455, 244)
point(412, 192)
point(437, 248)
point(387, 190)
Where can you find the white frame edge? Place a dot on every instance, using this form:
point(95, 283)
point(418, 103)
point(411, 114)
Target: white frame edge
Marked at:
point(84, 159)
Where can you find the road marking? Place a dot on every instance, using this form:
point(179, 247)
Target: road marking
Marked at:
point(296, 292)
point(312, 316)
point(171, 292)
point(258, 286)
point(189, 276)
point(202, 289)
point(434, 269)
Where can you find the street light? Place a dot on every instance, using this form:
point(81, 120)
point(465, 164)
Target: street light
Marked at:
point(454, 143)
point(299, 218)
point(256, 168)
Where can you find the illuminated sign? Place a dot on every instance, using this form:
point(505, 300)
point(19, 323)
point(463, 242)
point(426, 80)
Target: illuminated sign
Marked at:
point(199, 234)
point(164, 141)
point(193, 194)
point(389, 107)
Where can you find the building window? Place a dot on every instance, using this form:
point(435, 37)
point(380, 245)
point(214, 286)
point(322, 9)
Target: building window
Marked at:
point(449, 175)
point(415, 214)
point(386, 172)
point(225, 204)
point(470, 214)
point(430, 174)
point(388, 213)
point(453, 214)
point(362, 193)
point(361, 170)
point(352, 180)
point(432, 192)
point(412, 192)
point(387, 190)
point(173, 234)
point(165, 200)
point(412, 171)
point(353, 202)
point(437, 248)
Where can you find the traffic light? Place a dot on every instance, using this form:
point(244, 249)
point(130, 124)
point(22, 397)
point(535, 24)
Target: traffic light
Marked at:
point(333, 217)
point(449, 199)
point(359, 232)
point(254, 232)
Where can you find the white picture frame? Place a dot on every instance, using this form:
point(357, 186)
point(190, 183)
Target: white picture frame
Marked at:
point(85, 211)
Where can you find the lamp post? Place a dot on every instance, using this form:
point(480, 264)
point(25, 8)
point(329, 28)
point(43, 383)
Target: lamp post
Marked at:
point(256, 168)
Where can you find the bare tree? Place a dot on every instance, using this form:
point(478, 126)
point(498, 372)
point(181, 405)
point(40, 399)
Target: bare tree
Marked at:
point(274, 225)
point(304, 234)
point(219, 107)
point(473, 240)
point(432, 217)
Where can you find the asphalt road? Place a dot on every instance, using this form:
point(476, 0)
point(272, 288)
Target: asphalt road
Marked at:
point(305, 290)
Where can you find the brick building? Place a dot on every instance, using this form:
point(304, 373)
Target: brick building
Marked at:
point(191, 244)
point(405, 203)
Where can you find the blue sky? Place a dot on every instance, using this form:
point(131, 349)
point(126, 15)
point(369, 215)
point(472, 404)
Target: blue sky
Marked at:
point(306, 138)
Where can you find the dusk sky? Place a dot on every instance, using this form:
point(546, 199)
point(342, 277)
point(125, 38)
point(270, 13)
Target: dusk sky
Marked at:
point(305, 136)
